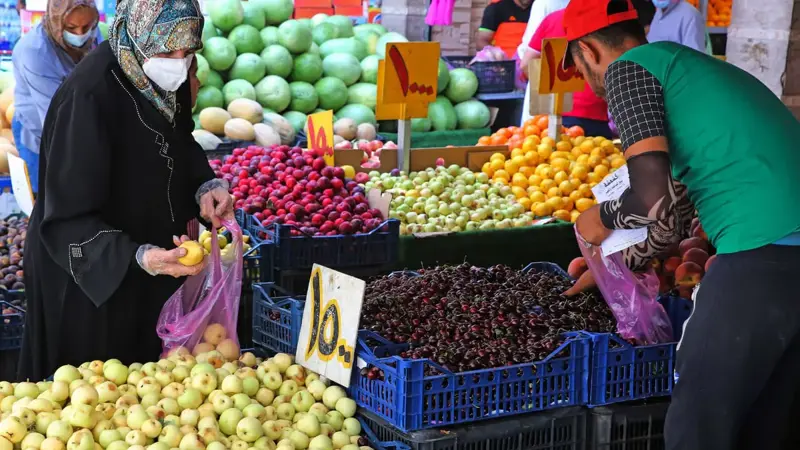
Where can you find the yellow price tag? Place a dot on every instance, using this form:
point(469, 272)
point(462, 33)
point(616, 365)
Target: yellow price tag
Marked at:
point(320, 134)
point(553, 79)
point(407, 80)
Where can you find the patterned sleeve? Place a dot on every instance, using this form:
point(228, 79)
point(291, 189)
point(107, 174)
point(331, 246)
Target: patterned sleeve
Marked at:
point(635, 102)
point(637, 106)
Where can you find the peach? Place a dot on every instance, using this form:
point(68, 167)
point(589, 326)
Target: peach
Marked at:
point(709, 262)
point(685, 292)
point(692, 242)
point(671, 264)
point(696, 255)
point(688, 274)
point(699, 232)
point(577, 267)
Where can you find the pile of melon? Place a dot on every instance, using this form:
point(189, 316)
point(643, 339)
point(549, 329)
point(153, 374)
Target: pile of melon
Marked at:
point(243, 120)
point(6, 136)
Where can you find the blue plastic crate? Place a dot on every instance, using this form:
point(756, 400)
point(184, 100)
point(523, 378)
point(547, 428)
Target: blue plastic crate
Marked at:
point(276, 319)
point(410, 400)
point(678, 309)
point(12, 326)
point(297, 252)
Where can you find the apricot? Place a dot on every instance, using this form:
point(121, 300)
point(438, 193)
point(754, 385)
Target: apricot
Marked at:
point(671, 264)
point(692, 242)
point(696, 255)
point(577, 267)
point(688, 274)
point(709, 262)
point(699, 232)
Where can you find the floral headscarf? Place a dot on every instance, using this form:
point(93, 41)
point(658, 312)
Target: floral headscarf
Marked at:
point(153, 27)
point(57, 12)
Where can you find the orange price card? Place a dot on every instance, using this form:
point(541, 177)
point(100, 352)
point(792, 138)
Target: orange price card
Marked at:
point(397, 111)
point(320, 134)
point(411, 72)
point(553, 79)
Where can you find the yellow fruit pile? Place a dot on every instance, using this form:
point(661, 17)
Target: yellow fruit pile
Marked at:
point(555, 178)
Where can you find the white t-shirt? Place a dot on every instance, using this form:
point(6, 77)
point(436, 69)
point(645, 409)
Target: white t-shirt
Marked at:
point(539, 10)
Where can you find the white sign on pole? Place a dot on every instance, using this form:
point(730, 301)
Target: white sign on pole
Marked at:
point(611, 188)
point(21, 183)
point(329, 330)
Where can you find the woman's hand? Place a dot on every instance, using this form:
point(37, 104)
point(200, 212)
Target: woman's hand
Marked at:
point(584, 282)
point(158, 261)
point(216, 205)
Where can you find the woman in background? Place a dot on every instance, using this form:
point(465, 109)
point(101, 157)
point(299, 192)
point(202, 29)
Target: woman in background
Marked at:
point(42, 60)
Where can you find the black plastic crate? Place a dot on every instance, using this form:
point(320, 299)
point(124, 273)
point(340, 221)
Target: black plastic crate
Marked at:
point(493, 76)
point(12, 326)
point(561, 429)
point(629, 426)
point(8, 365)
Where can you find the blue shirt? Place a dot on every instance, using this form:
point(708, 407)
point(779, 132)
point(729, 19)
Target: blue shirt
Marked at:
point(681, 23)
point(40, 66)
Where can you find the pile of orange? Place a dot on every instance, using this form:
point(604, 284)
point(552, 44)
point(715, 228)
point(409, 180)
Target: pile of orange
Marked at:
point(555, 178)
point(719, 12)
point(514, 137)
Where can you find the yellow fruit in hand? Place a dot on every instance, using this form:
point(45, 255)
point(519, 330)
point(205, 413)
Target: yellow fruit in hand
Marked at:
point(194, 253)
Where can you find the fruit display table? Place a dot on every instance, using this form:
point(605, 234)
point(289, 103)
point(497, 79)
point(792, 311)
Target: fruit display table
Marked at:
point(432, 139)
point(515, 247)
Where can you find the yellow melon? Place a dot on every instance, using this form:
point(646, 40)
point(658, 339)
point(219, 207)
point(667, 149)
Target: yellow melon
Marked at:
point(206, 139)
point(213, 119)
point(249, 110)
point(266, 136)
point(240, 129)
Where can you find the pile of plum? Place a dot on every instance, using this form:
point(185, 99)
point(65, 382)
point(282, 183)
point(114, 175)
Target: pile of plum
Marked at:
point(466, 318)
point(12, 245)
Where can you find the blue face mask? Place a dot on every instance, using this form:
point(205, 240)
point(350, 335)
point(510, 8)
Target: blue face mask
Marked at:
point(662, 3)
point(76, 40)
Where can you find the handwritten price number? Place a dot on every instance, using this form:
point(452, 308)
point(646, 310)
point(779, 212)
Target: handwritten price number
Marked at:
point(327, 348)
point(317, 140)
point(556, 69)
point(402, 74)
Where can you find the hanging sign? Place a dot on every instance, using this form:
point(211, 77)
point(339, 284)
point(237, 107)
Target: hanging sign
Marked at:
point(407, 80)
point(553, 79)
point(20, 183)
point(320, 134)
point(329, 329)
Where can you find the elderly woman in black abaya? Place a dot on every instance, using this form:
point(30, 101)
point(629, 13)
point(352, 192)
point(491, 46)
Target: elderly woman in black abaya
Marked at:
point(122, 181)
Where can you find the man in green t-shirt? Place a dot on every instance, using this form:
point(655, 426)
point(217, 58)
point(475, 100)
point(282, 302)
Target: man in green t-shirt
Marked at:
point(688, 117)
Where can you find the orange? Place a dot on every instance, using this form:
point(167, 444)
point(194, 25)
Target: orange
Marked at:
point(569, 204)
point(542, 210)
point(534, 180)
point(519, 159)
point(538, 197)
point(593, 179)
point(560, 163)
point(532, 130)
point(563, 146)
point(518, 192)
point(562, 214)
point(616, 163)
point(484, 140)
point(560, 176)
point(566, 187)
point(527, 170)
point(583, 159)
point(501, 175)
point(550, 142)
point(498, 140)
point(542, 122)
point(573, 215)
point(595, 160)
point(601, 170)
point(519, 180)
point(575, 131)
point(553, 192)
point(525, 202)
point(599, 152)
point(546, 172)
point(504, 132)
point(531, 158)
point(583, 204)
point(547, 184)
point(516, 152)
point(499, 156)
point(580, 171)
point(555, 202)
point(585, 190)
point(514, 142)
point(511, 167)
point(487, 169)
point(575, 195)
point(496, 164)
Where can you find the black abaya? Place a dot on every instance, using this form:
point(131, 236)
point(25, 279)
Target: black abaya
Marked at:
point(115, 174)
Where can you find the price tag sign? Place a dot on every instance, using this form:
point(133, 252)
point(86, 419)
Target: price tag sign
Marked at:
point(320, 134)
point(407, 80)
point(21, 183)
point(329, 330)
point(553, 79)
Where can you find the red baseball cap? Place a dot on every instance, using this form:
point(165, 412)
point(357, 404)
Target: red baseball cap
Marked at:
point(583, 17)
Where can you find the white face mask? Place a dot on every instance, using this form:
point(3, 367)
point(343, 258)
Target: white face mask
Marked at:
point(76, 40)
point(168, 73)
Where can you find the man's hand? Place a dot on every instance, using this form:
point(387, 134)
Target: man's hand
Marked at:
point(590, 227)
point(216, 205)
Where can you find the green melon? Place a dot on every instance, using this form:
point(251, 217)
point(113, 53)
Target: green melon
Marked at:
point(246, 39)
point(219, 53)
point(304, 97)
point(273, 92)
point(226, 14)
point(343, 66)
point(238, 89)
point(278, 60)
point(307, 67)
point(332, 93)
point(294, 36)
point(248, 66)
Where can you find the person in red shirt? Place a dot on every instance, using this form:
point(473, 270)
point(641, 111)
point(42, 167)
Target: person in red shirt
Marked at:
point(589, 111)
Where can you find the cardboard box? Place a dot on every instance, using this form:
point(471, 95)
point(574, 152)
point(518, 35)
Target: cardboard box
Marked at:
point(307, 13)
point(352, 11)
point(312, 4)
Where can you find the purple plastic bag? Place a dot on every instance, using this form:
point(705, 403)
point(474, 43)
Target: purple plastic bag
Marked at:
point(210, 297)
point(632, 297)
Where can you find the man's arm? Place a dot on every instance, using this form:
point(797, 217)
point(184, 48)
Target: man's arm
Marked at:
point(636, 103)
point(489, 24)
point(693, 33)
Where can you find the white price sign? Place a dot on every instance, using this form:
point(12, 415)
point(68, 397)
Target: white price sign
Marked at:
point(21, 183)
point(329, 330)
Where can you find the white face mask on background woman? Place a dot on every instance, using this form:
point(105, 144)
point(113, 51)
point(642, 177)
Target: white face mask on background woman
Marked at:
point(168, 73)
point(76, 40)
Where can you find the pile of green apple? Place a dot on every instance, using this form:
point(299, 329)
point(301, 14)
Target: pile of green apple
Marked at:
point(180, 403)
point(227, 252)
point(449, 199)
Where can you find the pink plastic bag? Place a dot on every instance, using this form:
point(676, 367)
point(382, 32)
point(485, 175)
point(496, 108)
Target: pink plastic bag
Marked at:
point(204, 311)
point(632, 297)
